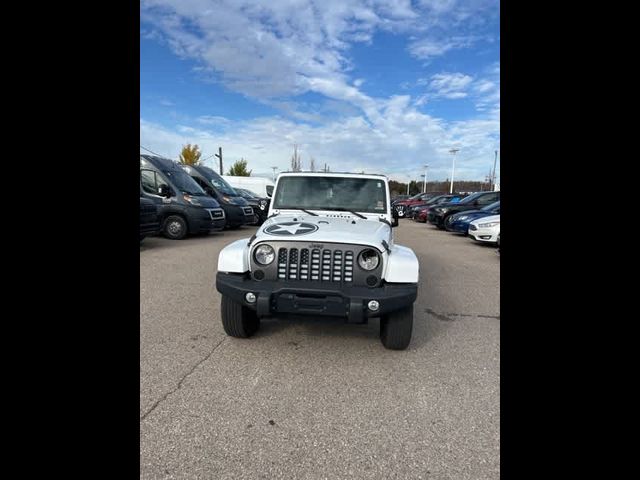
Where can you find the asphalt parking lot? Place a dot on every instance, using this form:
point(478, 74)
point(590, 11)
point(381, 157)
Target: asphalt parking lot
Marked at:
point(316, 399)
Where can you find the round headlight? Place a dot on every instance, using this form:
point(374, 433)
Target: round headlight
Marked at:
point(368, 259)
point(264, 254)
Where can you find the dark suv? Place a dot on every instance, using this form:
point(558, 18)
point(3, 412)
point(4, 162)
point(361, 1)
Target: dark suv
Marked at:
point(475, 201)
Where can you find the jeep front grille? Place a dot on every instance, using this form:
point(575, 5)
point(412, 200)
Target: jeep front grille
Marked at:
point(315, 264)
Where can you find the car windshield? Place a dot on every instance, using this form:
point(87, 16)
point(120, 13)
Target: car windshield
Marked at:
point(491, 206)
point(470, 198)
point(245, 193)
point(366, 195)
point(183, 182)
point(218, 182)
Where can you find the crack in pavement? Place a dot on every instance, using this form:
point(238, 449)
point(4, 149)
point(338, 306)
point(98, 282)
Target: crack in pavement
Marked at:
point(166, 395)
point(446, 317)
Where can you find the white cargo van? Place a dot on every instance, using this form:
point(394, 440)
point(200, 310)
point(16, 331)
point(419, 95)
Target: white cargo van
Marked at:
point(263, 187)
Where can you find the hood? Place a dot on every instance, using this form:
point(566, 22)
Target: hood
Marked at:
point(207, 201)
point(308, 228)
point(490, 218)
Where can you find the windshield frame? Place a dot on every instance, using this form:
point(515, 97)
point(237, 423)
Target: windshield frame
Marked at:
point(340, 183)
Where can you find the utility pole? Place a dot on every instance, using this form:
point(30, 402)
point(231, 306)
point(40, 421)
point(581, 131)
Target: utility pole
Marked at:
point(274, 173)
point(219, 155)
point(424, 188)
point(453, 166)
point(494, 171)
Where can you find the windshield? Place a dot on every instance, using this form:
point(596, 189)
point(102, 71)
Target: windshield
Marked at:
point(218, 182)
point(184, 182)
point(471, 197)
point(491, 206)
point(331, 193)
point(245, 193)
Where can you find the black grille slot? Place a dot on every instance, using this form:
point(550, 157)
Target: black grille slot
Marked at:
point(293, 264)
point(282, 263)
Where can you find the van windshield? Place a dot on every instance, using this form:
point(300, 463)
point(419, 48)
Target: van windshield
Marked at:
point(184, 182)
point(366, 195)
point(218, 182)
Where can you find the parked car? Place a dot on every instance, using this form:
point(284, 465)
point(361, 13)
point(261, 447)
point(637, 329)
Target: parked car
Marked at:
point(459, 222)
point(259, 186)
point(486, 229)
point(184, 207)
point(236, 209)
point(149, 217)
point(438, 214)
point(260, 205)
point(402, 206)
point(423, 207)
point(327, 250)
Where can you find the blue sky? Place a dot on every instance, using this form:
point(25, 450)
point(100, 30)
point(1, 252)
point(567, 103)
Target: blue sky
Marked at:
point(376, 85)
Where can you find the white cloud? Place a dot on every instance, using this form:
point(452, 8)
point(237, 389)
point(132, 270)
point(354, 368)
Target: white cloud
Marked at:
point(167, 103)
point(398, 144)
point(450, 85)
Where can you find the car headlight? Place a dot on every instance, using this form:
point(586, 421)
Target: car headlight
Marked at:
point(443, 210)
point(262, 204)
point(488, 225)
point(264, 254)
point(368, 259)
point(192, 200)
point(463, 217)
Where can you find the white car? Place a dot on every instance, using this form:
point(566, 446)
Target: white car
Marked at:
point(485, 229)
point(327, 249)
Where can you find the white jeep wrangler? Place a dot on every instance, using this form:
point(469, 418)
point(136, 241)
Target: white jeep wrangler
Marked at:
point(326, 249)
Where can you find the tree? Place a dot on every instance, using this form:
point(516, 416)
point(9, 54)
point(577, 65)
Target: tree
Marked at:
point(312, 164)
point(296, 160)
point(239, 169)
point(190, 155)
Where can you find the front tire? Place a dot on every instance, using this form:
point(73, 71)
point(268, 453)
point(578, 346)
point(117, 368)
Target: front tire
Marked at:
point(237, 320)
point(396, 329)
point(174, 227)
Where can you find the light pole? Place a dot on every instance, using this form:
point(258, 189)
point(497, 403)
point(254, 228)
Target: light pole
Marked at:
point(494, 171)
point(274, 173)
point(453, 166)
point(424, 188)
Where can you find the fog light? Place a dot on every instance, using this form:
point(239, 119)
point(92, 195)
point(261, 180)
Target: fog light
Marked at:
point(250, 297)
point(373, 305)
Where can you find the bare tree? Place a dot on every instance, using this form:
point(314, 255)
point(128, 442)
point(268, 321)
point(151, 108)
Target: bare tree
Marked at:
point(296, 160)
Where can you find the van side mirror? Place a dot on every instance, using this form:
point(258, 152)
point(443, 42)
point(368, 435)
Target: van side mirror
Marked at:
point(394, 218)
point(164, 191)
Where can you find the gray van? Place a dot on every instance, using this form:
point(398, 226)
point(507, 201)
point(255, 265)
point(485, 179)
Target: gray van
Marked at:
point(184, 207)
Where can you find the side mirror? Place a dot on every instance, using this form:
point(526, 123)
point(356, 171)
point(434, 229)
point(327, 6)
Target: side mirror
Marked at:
point(394, 219)
point(164, 191)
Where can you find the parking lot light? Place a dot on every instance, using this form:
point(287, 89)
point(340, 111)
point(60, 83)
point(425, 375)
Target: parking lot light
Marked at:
point(373, 305)
point(250, 297)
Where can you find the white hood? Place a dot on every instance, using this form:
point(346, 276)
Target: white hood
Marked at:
point(308, 228)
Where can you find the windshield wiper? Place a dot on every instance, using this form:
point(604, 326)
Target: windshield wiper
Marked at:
point(350, 211)
point(301, 209)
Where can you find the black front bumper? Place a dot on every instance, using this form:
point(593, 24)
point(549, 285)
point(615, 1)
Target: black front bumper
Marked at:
point(235, 215)
point(324, 299)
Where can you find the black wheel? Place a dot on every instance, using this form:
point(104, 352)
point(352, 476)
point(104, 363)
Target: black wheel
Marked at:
point(396, 328)
point(174, 227)
point(238, 320)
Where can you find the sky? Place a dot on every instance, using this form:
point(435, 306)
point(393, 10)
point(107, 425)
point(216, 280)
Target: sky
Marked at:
point(380, 86)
